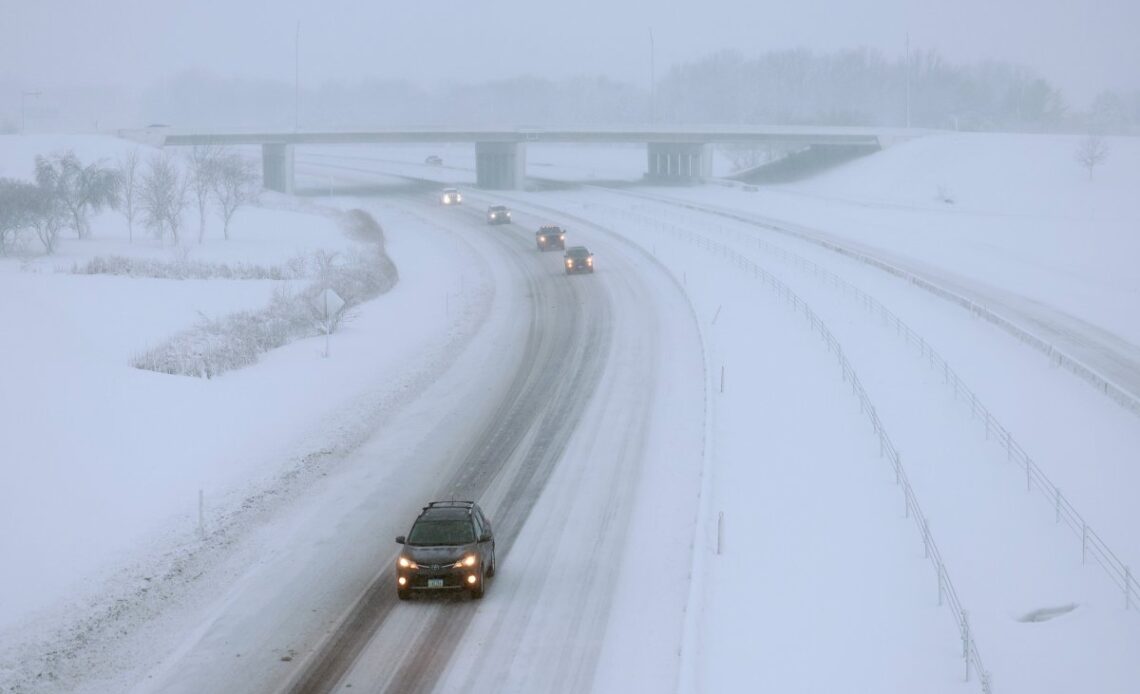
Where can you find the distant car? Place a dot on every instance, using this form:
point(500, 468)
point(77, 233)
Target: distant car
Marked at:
point(434, 160)
point(451, 196)
point(450, 547)
point(498, 214)
point(579, 259)
point(550, 237)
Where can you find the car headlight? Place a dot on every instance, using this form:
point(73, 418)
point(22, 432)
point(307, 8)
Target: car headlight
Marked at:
point(406, 563)
point(589, 261)
point(469, 560)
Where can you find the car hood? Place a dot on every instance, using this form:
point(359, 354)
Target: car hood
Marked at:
point(437, 555)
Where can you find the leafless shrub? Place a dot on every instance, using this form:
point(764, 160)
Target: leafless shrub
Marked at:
point(162, 196)
point(49, 215)
point(186, 269)
point(215, 346)
point(203, 163)
point(1091, 152)
point(80, 189)
point(17, 202)
point(128, 171)
point(234, 184)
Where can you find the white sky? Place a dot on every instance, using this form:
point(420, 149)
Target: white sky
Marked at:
point(1082, 45)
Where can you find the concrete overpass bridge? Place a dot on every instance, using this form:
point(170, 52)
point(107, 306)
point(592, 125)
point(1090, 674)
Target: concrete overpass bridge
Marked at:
point(673, 153)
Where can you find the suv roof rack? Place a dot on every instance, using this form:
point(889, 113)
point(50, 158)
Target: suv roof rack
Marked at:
point(450, 504)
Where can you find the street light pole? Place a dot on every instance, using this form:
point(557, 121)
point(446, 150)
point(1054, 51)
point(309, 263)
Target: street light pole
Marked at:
point(297, 78)
point(652, 80)
point(23, 118)
point(908, 79)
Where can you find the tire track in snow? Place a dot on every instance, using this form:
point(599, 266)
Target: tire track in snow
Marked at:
point(537, 397)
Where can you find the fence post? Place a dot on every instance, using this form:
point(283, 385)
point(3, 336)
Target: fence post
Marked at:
point(1127, 588)
point(201, 514)
point(966, 641)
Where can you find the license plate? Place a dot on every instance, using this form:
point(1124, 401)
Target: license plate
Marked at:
point(435, 583)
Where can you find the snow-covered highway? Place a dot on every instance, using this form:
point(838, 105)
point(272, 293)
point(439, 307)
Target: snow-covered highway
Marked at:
point(686, 493)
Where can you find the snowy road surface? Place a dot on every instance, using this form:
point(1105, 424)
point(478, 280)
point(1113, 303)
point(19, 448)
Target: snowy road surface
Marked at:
point(551, 396)
point(687, 496)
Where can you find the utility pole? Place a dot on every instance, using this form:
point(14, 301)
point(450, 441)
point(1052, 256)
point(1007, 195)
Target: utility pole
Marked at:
point(652, 80)
point(908, 79)
point(297, 78)
point(23, 118)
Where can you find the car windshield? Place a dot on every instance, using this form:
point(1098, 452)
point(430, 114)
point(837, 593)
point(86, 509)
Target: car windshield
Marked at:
point(441, 532)
point(578, 252)
point(498, 208)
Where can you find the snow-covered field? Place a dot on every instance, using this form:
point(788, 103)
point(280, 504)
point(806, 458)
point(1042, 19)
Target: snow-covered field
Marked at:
point(762, 541)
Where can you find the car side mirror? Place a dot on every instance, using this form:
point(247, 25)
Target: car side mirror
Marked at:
point(400, 539)
point(485, 537)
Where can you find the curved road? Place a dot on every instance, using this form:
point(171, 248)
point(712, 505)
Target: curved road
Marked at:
point(519, 443)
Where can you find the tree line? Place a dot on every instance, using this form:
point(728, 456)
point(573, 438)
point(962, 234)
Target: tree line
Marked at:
point(156, 193)
point(794, 87)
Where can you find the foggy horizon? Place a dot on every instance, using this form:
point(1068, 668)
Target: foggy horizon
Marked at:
point(129, 46)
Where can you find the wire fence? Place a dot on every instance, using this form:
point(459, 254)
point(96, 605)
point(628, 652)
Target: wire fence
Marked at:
point(1093, 546)
point(947, 594)
point(1055, 354)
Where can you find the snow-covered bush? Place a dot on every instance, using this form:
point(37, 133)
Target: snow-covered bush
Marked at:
point(215, 346)
point(183, 268)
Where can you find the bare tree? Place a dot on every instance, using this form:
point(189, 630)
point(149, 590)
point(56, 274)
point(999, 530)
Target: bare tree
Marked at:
point(81, 189)
point(235, 184)
point(48, 216)
point(129, 185)
point(162, 196)
point(17, 200)
point(203, 160)
point(1091, 152)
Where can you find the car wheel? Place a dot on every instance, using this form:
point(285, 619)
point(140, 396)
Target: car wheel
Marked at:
point(403, 594)
point(477, 589)
point(494, 564)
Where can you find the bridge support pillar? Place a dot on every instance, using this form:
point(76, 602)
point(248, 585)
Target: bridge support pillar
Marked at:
point(500, 165)
point(679, 162)
point(277, 167)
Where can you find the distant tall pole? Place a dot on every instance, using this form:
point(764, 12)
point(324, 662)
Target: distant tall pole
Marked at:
point(908, 79)
point(297, 78)
point(652, 80)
